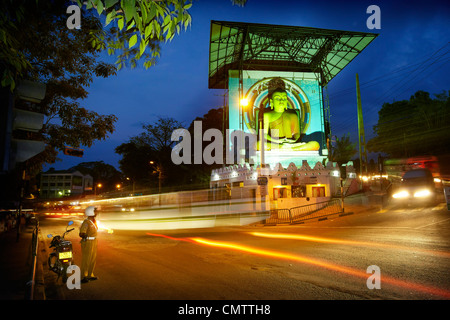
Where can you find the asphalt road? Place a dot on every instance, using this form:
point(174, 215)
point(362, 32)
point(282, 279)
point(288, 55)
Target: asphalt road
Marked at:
point(327, 260)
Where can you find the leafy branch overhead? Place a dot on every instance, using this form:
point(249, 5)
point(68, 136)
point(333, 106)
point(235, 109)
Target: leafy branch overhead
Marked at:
point(133, 26)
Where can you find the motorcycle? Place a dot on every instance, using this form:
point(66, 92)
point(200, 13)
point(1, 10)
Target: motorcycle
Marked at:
point(62, 256)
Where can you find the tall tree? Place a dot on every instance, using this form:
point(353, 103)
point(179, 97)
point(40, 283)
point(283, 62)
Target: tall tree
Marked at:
point(154, 145)
point(102, 173)
point(135, 162)
point(201, 173)
point(343, 151)
point(413, 127)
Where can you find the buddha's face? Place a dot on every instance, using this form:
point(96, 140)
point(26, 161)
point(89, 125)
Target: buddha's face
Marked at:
point(279, 101)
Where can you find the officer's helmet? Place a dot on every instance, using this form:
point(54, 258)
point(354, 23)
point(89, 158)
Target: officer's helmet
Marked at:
point(90, 211)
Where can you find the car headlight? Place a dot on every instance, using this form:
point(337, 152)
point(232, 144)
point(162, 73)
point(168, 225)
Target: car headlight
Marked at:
point(422, 193)
point(400, 194)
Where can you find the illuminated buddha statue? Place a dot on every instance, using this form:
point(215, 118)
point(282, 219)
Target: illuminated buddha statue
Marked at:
point(287, 123)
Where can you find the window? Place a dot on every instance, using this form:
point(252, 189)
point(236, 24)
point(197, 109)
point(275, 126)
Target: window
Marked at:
point(279, 193)
point(77, 181)
point(318, 191)
point(298, 191)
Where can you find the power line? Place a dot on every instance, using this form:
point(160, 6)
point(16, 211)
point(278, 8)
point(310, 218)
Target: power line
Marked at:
point(421, 66)
point(383, 77)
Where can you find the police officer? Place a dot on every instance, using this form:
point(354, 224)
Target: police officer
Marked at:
point(88, 234)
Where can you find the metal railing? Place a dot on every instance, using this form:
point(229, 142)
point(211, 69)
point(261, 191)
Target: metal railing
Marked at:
point(302, 213)
point(29, 295)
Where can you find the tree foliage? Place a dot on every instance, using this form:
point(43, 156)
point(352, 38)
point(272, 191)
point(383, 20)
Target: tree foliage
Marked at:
point(343, 151)
point(102, 173)
point(65, 61)
point(417, 126)
point(201, 173)
point(137, 25)
point(132, 29)
point(153, 144)
point(37, 45)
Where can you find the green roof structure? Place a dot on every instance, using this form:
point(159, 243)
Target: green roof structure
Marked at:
point(250, 46)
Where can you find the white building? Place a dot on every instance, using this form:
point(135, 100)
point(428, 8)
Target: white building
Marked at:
point(286, 187)
point(64, 183)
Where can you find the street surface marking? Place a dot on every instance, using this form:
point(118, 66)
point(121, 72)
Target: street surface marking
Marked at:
point(430, 224)
point(439, 206)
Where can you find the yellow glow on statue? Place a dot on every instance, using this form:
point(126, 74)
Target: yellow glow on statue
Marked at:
point(287, 123)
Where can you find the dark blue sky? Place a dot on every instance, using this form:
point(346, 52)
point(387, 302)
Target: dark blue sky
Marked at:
point(411, 53)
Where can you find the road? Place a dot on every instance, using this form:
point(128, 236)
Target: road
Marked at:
point(326, 260)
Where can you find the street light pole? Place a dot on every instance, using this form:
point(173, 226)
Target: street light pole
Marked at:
point(158, 170)
point(132, 180)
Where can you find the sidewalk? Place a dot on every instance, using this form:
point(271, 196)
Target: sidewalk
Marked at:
point(15, 263)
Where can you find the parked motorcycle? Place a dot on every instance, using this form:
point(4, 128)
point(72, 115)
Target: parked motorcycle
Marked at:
point(62, 256)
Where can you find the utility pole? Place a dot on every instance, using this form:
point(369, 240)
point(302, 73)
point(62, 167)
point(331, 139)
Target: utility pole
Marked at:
point(361, 134)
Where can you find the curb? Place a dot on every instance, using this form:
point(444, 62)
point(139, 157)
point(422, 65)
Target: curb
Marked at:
point(39, 287)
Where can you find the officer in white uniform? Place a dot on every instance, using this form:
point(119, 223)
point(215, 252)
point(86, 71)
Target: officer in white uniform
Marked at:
point(88, 234)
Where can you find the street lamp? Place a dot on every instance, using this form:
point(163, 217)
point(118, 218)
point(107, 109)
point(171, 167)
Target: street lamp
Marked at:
point(158, 169)
point(244, 102)
point(99, 185)
point(133, 184)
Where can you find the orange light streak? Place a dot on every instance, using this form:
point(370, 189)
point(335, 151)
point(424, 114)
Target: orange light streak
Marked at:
point(168, 237)
point(281, 255)
point(346, 242)
point(323, 264)
point(303, 259)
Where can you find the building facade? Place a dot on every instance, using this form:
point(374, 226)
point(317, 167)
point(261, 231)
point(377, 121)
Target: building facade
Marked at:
point(285, 187)
point(64, 183)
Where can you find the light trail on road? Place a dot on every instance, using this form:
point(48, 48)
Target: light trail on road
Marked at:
point(306, 260)
point(346, 242)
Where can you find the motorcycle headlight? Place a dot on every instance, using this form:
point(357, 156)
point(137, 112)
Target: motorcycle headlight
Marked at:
point(422, 193)
point(400, 194)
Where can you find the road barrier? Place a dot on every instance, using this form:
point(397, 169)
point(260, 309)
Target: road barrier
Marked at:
point(302, 213)
point(29, 295)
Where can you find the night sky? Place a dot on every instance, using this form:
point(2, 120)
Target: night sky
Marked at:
point(411, 53)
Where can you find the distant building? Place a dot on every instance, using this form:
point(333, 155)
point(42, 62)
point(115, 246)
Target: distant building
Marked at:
point(64, 183)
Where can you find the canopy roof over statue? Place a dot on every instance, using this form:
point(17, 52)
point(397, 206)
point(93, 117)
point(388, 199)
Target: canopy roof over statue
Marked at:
point(250, 46)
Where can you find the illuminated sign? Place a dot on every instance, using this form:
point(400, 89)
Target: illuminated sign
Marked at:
point(287, 105)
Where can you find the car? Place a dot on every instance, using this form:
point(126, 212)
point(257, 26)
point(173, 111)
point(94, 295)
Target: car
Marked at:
point(416, 186)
